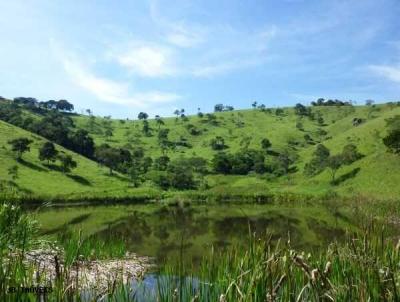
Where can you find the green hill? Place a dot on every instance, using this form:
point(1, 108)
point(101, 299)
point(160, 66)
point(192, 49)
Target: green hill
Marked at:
point(34, 176)
point(375, 175)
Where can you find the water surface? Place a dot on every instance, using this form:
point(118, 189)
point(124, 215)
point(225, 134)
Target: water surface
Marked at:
point(187, 233)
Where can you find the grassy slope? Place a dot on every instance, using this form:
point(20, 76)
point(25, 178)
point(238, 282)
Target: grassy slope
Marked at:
point(378, 174)
point(36, 177)
point(379, 170)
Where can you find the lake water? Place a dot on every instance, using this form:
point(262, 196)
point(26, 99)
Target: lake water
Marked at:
point(187, 233)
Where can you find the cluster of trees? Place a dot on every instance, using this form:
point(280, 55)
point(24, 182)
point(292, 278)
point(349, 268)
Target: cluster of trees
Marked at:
point(302, 110)
point(30, 103)
point(222, 107)
point(329, 102)
point(392, 140)
point(323, 159)
point(55, 126)
point(239, 163)
point(261, 107)
point(47, 152)
point(181, 173)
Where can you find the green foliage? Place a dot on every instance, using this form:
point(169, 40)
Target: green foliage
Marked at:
point(113, 158)
point(333, 163)
point(392, 141)
point(67, 163)
point(180, 174)
point(240, 163)
point(82, 143)
point(265, 144)
point(318, 161)
point(161, 163)
point(20, 146)
point(350, 154)
point(18, 230)
point(48, 152)
point(301, 110)
point(218, 143)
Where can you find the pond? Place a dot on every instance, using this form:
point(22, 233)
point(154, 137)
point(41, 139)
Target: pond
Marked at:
point(187, 233)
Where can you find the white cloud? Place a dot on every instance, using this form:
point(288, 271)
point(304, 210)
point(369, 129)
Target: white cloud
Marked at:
point(223, 67)
point(147, 61)
point(391, 73)
point(112, 91)
point(185, 38)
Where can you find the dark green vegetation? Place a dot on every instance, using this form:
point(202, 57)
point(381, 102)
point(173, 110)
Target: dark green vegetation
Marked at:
point(309, 151)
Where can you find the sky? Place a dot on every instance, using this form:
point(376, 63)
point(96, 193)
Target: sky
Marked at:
point(121, 57)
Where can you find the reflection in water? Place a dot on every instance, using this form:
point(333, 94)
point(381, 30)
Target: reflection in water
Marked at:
point(176, 234)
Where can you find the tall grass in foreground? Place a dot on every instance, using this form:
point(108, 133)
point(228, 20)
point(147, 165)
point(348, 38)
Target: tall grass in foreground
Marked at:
point(365, 268)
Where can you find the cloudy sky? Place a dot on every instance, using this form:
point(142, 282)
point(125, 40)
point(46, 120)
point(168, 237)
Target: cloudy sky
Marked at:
point(122, 57)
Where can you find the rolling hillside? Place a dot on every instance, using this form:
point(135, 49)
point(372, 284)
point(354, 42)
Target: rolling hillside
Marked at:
point(40, 179)
point(376, 174)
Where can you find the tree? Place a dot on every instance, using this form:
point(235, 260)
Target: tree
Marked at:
point(350, 154)
point(262, 107)
point(67, 163)
point(333, 163)
point(83, 144)
point(265, 144)
point(218, 108)
point(159, 122)
point(50, 104)
point(146, 128)
point(318, 162)
point(198, 164)
point(143, 116)
point(180, 175)
point(108, 133)
point(107, 156)
point(279, 112)
point(113, 158)
point(392, 141)
point(163, 134)
point(369, 102)
point(20, 146)
point(218, 143)
point(177, 112)
point(135, 175)
point(48, 152)
point(64, 105)
point(254, 105)
point(161, 163)
point(285, 161)
point(222, 163)
point(300, 109)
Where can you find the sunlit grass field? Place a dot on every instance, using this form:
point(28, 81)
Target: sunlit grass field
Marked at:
point(375, 175)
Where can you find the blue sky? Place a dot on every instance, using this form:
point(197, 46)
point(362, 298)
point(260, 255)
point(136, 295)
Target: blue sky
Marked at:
point(121, 57)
